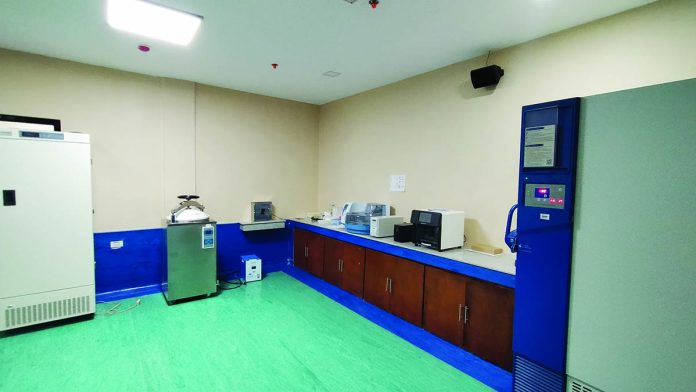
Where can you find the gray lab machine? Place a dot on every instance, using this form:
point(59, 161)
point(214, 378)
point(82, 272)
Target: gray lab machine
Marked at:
point(191, 255)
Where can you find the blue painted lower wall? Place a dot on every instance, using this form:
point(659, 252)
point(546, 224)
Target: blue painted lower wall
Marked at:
point(135, 269)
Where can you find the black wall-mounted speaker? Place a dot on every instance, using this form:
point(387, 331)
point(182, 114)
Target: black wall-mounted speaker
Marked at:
point(486, 76)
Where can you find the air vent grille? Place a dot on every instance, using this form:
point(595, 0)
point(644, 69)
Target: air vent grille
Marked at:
point(47, 311)
point(530, 377)
point(579, 386)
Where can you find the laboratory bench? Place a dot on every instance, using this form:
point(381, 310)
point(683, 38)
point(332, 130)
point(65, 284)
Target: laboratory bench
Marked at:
point(464, 297)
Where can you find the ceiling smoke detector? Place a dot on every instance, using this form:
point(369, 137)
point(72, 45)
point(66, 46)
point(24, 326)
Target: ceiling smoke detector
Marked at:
point(332, 74)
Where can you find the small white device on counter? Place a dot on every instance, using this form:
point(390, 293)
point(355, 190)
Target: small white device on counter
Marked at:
point(252, 268)
point(383, 226)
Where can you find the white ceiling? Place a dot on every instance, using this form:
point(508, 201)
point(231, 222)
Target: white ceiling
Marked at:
point(239, 39)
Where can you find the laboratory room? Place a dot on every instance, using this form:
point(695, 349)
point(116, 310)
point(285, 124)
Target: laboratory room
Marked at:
point(347, 195)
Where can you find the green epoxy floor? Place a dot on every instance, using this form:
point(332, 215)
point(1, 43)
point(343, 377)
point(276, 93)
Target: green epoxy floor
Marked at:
point(273, 335)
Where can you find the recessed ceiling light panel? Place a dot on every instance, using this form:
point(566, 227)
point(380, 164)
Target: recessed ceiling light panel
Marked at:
point(153, 21)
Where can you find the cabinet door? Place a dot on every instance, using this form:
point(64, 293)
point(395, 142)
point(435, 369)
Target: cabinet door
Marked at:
point(488, 331)
point(444, 299)
point(406, 288)
point(333, 252)
point(377, 268)
point(315, 253)
point(353, 269)
point(300, 249)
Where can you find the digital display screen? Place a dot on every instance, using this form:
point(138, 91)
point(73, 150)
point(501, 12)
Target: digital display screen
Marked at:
point(253, 267)
point(425, 217)
point(29, 134)
point(542, 193)
point(208, 231)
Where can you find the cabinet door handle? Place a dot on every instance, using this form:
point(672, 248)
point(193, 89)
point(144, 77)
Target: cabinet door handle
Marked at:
point(460, 312)
point(390, 285)
point(466, 314)
point(340, 265)
point(306, 251)
point(386, 287)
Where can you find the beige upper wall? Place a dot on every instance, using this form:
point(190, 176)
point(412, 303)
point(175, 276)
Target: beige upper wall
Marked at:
point(147, 133)
point(262, 149)
point(459, 147)
point(155, 138)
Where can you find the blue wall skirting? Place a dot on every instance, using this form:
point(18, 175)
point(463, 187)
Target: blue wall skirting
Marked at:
point(474, 271)
point(135, 269)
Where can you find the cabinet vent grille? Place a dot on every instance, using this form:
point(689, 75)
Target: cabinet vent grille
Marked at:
point(47, 311)
point(579, 386)
point(530, 377)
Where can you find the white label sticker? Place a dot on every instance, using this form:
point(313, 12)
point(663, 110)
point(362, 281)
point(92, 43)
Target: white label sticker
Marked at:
point(116, 244)
point(397, 183)
point(540, 146)
point(545, 216)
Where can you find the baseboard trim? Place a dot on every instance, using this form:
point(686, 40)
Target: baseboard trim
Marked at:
point(117, 295)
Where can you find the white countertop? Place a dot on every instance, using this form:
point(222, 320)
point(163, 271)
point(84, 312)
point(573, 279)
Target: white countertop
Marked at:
point(504, 262)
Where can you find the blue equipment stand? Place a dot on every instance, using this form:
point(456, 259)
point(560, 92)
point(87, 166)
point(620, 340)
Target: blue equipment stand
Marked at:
point(546, 197)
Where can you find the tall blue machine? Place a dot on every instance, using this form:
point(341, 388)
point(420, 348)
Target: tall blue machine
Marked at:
point(543, 240)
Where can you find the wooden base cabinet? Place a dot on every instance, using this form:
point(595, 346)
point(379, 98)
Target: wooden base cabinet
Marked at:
point(394, 284)
point(470, 313)
point(444, 302)
point(488, 332)
point(308, 252)
point(344, 265)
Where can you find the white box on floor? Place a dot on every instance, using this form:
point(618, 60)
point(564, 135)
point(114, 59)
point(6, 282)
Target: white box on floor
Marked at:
point(251, 265)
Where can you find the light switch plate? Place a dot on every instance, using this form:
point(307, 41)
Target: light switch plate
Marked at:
point(397, 183)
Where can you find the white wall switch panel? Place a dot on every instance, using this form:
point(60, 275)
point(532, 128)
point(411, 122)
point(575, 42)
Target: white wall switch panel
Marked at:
point(397, 183)
point(116, 244)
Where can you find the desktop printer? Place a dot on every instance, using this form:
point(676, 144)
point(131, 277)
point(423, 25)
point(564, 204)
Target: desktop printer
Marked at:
point(438, 229)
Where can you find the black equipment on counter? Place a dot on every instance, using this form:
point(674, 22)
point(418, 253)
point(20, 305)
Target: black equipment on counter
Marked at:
point(404, 232)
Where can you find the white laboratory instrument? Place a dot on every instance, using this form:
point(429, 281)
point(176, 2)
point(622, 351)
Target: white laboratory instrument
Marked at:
point(252, 268)
point(356, 216)
point(46, 237)
point(383, 226)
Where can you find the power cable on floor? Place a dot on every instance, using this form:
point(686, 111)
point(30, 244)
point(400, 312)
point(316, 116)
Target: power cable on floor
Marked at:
point(115, 309)
point(236, 283)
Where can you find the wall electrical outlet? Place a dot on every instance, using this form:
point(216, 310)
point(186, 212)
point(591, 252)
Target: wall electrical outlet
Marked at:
point(116, 244)
point(397, 183)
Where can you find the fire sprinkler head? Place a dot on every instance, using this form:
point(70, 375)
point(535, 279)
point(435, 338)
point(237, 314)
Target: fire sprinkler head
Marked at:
point(373, 3)
point(274, 65)
point(143, 48)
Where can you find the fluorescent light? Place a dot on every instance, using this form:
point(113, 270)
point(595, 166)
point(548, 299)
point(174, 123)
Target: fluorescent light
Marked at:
point(152, 20)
